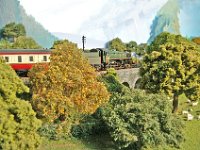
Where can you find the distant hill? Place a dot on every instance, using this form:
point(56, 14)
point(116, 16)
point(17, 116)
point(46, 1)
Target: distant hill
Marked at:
point(177, 17)
point(167, 19)
point(12, 11)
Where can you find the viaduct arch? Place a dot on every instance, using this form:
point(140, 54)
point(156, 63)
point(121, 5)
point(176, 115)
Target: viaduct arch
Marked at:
point(129, 76)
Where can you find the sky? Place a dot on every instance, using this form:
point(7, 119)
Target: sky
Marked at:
point(101, 19)
point(62, 15)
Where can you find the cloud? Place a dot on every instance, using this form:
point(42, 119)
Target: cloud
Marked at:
point(62, 15)
point(98, 19)
point(129, 20)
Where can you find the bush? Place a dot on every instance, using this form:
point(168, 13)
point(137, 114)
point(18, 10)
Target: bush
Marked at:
point(51, 131)
point(140, 121)
point(112, 83)
point(18, 124)
point(90, 125)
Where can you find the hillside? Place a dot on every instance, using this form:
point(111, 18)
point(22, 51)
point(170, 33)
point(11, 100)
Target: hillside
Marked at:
point(12, 11)
point(167, 19)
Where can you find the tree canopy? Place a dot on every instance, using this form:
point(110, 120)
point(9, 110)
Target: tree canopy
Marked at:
point(25, 43)
point(18, 122)
point(5, 44)
point(13, 36)
point(132, 46)
point(67, 86)
point(196, 40)
point(117, 44)
point(12, 30)
point(172, 65)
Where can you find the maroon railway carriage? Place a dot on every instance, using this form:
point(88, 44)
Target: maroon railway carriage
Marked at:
point(23, 59)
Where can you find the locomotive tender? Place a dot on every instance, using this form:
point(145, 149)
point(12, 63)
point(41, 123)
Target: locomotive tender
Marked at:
point(22, 60)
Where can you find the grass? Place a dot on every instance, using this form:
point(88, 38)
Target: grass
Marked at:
point(63, 145)
point(192, 128)
point(191, 131)
point(100, 142)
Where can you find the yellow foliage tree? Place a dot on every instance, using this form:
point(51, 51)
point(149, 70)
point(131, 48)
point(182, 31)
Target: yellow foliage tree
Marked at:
point(67, 86)
point(196, 40)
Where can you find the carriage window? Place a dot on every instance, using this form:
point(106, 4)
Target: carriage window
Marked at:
point(7, 59)
point(19, 58)
point(30, 58)
point(44, 58)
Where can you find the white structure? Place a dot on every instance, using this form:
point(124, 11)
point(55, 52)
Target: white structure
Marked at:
point(190, 117)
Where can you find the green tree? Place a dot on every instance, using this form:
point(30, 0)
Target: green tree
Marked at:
point(60, 42)
point(24, 42)
point(5, 44)
point(172, 65)
point(132, 46)
point(12, 31)
point(117, 44)
point(67, 87)
point(18, 123)
point(141, 49)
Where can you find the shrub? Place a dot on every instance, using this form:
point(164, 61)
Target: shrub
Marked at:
point(140, 121)
point(18, 124)
point(90, 125)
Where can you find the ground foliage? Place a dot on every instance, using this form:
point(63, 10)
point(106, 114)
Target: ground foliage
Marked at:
point(141, 121)
point(66, 87)
point(137, 120)
point(18, 124)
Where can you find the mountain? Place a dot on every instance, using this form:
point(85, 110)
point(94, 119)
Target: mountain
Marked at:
point(177, 17)
point(12, 11)
point(127, 19)
point(166, 20)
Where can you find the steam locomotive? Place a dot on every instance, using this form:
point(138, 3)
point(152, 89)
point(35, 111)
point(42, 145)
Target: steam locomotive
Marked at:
point(22, 60)
point(104, 58)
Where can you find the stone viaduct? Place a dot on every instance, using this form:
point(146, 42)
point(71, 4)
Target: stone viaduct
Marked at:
point(128, 76)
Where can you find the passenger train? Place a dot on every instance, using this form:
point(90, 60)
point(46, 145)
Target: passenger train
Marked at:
point(22, 60)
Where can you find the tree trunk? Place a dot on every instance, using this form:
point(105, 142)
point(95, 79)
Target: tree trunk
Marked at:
point(175, 103)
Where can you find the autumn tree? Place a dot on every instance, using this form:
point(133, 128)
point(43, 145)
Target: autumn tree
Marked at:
point(172, 65)
point(18, 122)
point(117, 44)
point(67, 86)
point(12, 31)
point(196, 40)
